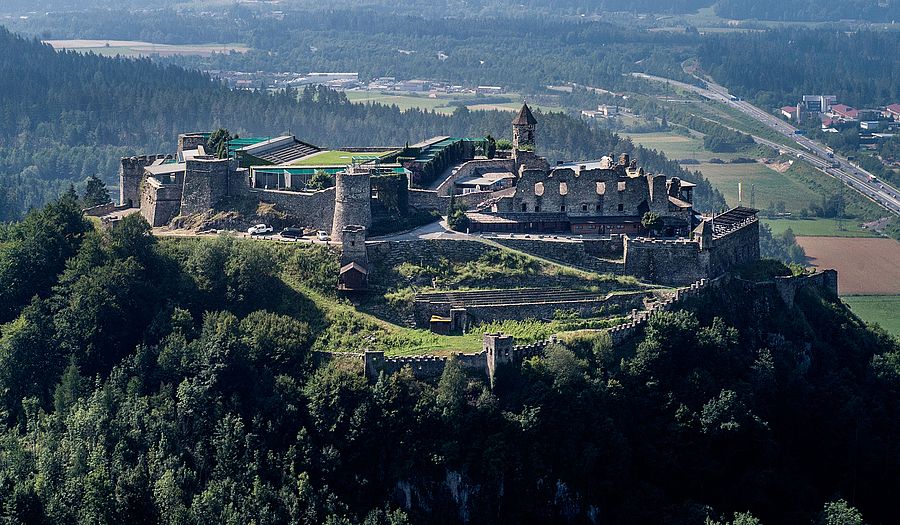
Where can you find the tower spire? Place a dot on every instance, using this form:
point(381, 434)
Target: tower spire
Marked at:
point(524, 129)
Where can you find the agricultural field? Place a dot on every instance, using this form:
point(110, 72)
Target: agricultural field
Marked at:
point(131, 48)
point(881, 309)
point(444, 103)
point(675, 146)
point(865, 266)
point(767, 185)
point(404, 102)
point(819, 228)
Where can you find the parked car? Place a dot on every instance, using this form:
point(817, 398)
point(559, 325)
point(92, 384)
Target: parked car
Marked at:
point(322, 235)
point(260, 229)
point(292, 233)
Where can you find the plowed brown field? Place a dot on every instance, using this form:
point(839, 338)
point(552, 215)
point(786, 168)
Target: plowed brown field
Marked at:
point(865, 266)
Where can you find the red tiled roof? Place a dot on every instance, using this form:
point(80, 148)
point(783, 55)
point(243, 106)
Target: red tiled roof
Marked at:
point(894, 108)
point(845, 110)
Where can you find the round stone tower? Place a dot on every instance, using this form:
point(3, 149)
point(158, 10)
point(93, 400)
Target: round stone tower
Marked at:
point(352, 201)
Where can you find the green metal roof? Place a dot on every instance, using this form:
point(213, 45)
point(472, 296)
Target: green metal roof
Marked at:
point(427, 154)
point(236, 144)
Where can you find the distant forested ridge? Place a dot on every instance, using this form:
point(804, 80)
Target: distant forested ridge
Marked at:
point(777, 67)
point(507, 47)
point(68, 116)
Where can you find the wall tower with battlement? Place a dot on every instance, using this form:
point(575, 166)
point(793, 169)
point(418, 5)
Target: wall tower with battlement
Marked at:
point(131, 173)
point(191, 141)
point(206, 182)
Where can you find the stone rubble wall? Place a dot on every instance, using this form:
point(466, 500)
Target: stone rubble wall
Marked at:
point(788, 287)
point(544, 310)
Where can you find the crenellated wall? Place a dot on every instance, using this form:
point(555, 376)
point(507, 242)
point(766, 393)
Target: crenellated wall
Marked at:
point(498, 350)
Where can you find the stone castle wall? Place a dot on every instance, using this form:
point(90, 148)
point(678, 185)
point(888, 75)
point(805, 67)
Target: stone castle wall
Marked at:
point(428, 251)
point(433, 200)
point(427, 200)
point(160, 203)
point(103, 209)
point(314, 210)
point(205, 184)
point(671, 262)
point(738, 246)
point(788, 287)
point(612, 247)
point(607, 192)
point(431, 366)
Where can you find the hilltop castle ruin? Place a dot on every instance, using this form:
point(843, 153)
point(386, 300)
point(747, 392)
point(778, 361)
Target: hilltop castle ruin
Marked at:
point(602, 203)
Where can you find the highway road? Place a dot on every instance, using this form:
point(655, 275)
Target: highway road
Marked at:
point(813, 152)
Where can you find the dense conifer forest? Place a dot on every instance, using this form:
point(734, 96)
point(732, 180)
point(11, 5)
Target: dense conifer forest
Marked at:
point(775, 68)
